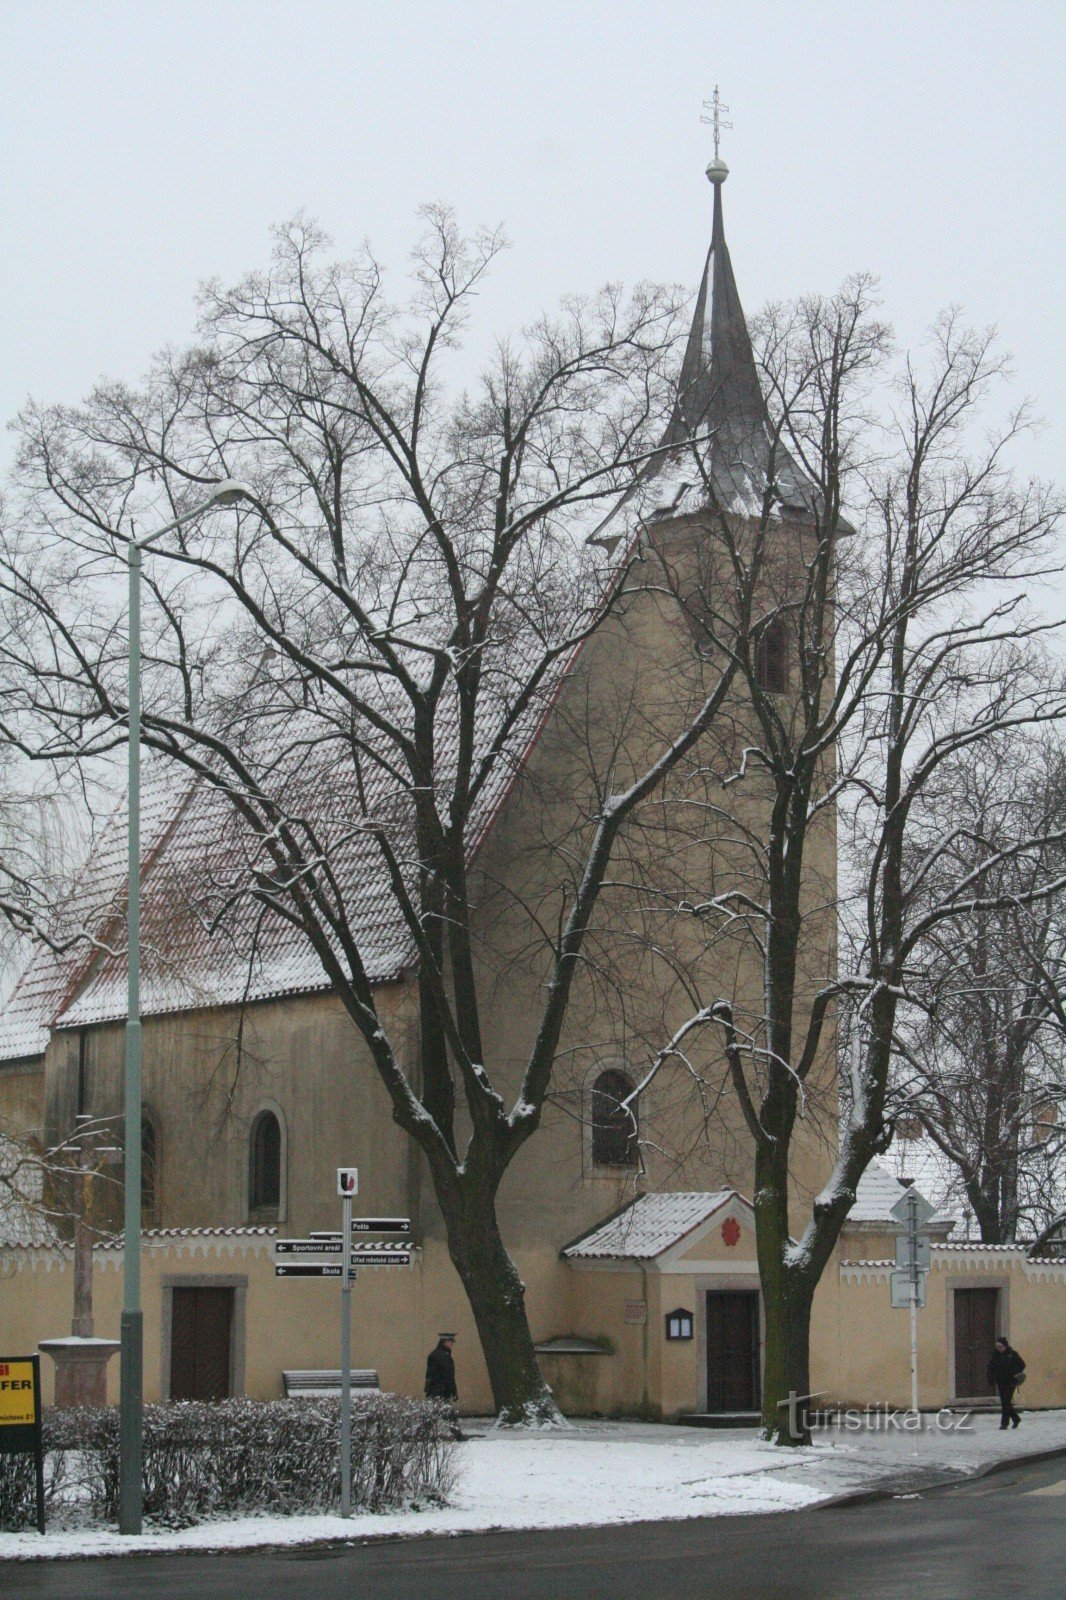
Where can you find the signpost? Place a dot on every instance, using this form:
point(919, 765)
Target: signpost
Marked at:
point(331, 1253)
point(308, 1269)
point(913, 1257)
point(20, 1417)
point(308, 1247)
point(347, 1185)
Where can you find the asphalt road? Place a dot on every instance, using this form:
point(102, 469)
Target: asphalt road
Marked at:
point(1003, 1536)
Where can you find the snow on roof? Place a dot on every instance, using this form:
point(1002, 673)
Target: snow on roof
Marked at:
point(202, 944)
point(648, 1226)
point(877, 1192)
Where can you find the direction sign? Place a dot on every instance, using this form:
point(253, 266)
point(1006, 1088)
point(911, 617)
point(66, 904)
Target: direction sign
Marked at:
point(307, 1269)
point(307, 1247)
point(918, 1255)
point(381, 1224)
point(380, 1258)
point(326, 1233)
point(913, 1205)
point(901, 1286)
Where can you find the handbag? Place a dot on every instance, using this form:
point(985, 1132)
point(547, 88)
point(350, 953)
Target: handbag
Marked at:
point(1019, 1378)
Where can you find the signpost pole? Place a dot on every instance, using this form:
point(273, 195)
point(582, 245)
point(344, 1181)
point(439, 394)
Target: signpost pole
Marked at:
point(347, 1182)
point(38, 1443)
point(912, 1230)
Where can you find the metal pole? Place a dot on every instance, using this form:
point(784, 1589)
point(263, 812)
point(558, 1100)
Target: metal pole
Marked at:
point(131, 1356)
point(346, 1359)
point(912, 1231)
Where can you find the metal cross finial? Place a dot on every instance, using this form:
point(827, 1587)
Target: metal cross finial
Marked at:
point(716, 106)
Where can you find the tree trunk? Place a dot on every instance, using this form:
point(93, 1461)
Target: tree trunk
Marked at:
point(786, 1296)
point(498, 1300)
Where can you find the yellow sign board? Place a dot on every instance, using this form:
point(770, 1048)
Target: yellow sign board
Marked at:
point(17, 1408)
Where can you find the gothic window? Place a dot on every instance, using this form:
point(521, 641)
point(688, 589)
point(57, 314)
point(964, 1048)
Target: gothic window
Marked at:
point(771, 657)
point(264, 1169)
point(149, 1173)
point(614, 1125)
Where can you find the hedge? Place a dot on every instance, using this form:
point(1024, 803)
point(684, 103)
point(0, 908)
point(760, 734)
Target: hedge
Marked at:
point(229, 1457)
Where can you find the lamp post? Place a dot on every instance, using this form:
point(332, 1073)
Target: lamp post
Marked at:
point(131, 1356)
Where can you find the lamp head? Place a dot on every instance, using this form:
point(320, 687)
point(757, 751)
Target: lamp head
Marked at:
point(229, 491)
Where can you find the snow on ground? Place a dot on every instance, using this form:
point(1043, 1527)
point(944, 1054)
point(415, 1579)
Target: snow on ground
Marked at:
point(605, 1472)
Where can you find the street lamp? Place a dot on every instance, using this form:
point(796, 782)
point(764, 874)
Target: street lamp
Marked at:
point(131, 1356)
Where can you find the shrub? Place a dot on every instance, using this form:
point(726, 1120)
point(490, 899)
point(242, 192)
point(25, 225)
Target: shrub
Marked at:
point(205, 1459)
point(18, 1487)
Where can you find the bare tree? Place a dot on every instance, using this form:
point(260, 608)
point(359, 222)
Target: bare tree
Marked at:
point(878, 648)
point(981, 1059)
point(353, 665)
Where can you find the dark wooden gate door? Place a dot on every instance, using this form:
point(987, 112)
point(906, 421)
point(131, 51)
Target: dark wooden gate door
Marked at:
point(975, 1334)
point(733, 1379)
point(200, 1333)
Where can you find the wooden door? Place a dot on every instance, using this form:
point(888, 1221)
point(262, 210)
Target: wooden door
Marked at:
point(201, 1327)
point(975, 1336)
point(733, 1379)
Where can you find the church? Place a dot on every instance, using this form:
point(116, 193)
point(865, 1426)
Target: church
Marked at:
point(632, 1231)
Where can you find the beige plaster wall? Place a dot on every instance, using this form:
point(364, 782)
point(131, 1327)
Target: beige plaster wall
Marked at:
point(397, 1313)
point(865, 1358)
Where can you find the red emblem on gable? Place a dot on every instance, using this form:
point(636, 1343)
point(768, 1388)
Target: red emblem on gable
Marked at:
point(730, 1231)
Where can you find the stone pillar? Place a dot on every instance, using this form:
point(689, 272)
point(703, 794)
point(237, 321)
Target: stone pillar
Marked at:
point(81, 1369)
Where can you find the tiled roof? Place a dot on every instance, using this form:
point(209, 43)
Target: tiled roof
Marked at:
point(201, 946)
point(648, 1226)
point(877, 1192)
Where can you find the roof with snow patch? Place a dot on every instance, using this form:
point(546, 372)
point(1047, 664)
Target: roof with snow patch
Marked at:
point(650, 1225)
point(202, 946)
point(877, 1192)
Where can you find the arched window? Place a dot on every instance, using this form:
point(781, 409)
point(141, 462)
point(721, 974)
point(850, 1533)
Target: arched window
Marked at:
point(771, 657)
point(614, 1125)
point(264, 1169)
point(149, 1173)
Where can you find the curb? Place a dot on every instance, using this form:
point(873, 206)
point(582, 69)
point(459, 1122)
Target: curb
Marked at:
point(889, 1491)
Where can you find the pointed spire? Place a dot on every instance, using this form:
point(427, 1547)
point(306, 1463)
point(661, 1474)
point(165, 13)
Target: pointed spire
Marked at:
point(719, 396)
point(720, 411)
point(719, 385)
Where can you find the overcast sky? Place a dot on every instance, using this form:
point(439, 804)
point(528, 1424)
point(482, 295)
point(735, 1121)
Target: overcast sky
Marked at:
point(148, 146)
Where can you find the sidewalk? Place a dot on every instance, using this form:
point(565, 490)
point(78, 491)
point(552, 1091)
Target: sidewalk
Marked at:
point(608, 1472)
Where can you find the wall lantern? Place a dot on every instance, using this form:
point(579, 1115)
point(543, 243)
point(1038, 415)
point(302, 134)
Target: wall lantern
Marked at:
point(679, 1324)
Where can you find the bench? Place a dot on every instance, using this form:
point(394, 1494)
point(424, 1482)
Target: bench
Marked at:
point(301, 1385)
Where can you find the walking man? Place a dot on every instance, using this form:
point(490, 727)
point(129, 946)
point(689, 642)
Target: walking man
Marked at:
point(1006, 1370)
point(440, 1370)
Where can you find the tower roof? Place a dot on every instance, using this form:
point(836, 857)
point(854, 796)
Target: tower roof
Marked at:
point(720, 403)
point(726, 450)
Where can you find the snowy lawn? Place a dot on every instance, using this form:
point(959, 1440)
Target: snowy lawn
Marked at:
point(606, 1472)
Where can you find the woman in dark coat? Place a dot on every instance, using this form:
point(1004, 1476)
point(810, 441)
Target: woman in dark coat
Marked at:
point(1004, 1372)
